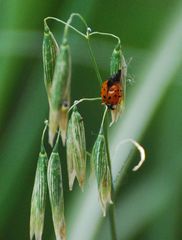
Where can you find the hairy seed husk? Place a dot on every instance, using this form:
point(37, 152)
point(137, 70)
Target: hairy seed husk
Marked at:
point(60, 94)
point(70, 156)
point(55, 186)
point(118, 63)
point(99, 159)
point(76, 149)
point(50, 50)
point(60, 90)
point(63, 119)
point(39, 198)
point(78, 134)
point(115, 63)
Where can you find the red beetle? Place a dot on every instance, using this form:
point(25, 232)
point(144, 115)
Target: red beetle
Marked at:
point(112, 91)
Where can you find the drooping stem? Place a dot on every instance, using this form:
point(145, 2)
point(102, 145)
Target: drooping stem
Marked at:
point(43, 134)
point(82, 100)
point(106, 34)
point(86, 36)
point(93, 58)
point(91, 51)
point(65, 23)
point(69, 22)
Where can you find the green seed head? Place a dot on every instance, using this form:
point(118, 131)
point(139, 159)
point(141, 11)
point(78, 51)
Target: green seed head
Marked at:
point(53, 124)
point(58, 118)
point(76, 149)
point(55, 186)
point(60, 94)
point(115, 63)
point(50, 50)
point(63, 119)
point(70, 156)
point(60, 91)
point(39, 198)
point(99, 159)
point(118, 64)
point(105, 190)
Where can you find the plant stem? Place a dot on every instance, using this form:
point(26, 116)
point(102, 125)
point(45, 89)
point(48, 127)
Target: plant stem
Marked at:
point(82, 100)
point(43, 134)
point(106, 34)
point(112, 221)
point(87, 36)
point(65, 23)
point(69, 22)
point(93, 59)
point(104, 125)
point(111, 207)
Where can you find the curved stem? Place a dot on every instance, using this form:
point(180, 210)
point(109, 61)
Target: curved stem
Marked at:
point(70, 20)
point(82, 100)
point(65, 23)
point(139, 148)
point(86, 36)
point(93, 58)
point(91, 51)
point(81, 18)
point(43, 134)
point(106, 34)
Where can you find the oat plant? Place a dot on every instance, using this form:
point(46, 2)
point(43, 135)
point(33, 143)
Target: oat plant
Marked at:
point(66, 122)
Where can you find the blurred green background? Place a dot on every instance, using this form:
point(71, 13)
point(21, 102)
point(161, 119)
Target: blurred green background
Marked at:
point(148, 203)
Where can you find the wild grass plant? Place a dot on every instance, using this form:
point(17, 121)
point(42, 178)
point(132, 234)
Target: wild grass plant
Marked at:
point(147, 203)
point(66, 122)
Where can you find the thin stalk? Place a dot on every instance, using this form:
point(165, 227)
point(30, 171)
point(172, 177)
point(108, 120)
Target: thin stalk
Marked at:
point(81, 18)
point(104, 125)
point(93, 59)
point(86, 36)
point(82, 100)
point(111, 207)
point(66, 24)
point(106, 34)
point(69, 22)
point(43, 134)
